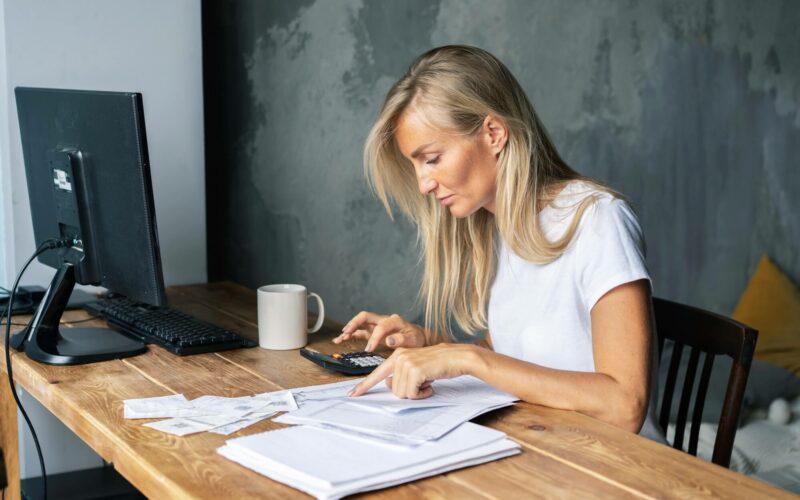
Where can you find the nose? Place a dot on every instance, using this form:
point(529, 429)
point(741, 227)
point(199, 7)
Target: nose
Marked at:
point(426, 184)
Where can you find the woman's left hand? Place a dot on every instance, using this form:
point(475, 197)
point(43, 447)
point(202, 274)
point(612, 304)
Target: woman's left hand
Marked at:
point(410, 372)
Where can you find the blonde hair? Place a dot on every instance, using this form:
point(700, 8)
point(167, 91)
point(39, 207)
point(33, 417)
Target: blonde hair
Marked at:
point(466, 84)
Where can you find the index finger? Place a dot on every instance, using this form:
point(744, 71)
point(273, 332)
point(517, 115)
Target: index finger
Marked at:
point(381, 372)
point(360, 319)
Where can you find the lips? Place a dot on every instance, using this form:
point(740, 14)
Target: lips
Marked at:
point(445, 200)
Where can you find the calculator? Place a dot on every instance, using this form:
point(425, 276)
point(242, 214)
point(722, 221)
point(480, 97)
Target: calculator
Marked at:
point(351, 363)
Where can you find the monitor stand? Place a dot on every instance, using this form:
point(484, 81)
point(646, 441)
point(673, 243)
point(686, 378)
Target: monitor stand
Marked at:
point(43, 340)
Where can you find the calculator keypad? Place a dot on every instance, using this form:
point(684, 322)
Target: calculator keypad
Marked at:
point(360, 359)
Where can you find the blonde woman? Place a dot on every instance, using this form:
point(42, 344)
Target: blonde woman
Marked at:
point(516, 244)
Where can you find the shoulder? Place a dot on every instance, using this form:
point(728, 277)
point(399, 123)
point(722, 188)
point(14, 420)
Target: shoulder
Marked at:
point(609, 228)
point(608, 210)
point(601, 218)
point(610, 214)
point(589, 206)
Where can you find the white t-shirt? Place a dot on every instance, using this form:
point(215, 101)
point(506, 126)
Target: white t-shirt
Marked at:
point(542, 313)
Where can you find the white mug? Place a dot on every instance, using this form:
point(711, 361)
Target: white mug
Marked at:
point(283, 316)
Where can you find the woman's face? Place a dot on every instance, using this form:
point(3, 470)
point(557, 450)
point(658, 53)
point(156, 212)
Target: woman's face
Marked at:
point(460, 171)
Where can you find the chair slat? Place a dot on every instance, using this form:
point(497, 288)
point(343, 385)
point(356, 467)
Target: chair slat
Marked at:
point(699, 402)
point(686, 396)
point(672, 375)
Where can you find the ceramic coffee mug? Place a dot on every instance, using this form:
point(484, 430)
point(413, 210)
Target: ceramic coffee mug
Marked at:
point(283, 316)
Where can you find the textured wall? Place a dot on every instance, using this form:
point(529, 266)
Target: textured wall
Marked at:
point(689, 108)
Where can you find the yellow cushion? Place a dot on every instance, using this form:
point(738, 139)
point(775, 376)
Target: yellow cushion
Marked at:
point(771, 305)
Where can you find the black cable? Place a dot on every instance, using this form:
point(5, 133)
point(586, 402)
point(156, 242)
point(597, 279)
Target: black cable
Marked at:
point(46, 245)
point(9, 369)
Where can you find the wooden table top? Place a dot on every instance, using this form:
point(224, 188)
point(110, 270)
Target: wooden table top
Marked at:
point(565, 454)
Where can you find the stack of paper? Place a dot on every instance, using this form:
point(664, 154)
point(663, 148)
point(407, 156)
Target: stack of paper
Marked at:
point(330, 465)
point(345, 445)
point(217, 414)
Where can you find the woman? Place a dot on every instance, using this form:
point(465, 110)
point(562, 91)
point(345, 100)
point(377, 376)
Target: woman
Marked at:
point(513, 240)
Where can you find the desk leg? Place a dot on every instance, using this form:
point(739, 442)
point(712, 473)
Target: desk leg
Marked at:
point(9, 438)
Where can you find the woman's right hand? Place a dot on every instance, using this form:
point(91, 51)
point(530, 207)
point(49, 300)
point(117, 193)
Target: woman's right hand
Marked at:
point(376, 328)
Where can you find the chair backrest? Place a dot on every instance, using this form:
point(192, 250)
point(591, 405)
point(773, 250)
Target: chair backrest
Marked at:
point(713, 335)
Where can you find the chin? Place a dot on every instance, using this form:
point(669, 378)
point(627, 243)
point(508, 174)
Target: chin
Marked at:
point(459, 212)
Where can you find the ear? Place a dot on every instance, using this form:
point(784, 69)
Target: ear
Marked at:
point(495, 132)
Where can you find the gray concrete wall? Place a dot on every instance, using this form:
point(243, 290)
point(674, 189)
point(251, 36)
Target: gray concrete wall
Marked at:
point(689, 108)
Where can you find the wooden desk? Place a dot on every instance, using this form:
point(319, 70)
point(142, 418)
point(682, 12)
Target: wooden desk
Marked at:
point(565, 454)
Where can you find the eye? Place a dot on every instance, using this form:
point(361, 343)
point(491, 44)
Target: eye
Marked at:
point(433, 161)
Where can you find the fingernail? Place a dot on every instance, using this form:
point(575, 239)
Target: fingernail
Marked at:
point(352, 391)
point(344, 328)
point(390, 342)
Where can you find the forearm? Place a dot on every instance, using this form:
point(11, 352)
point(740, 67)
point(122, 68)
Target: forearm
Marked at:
point(595, 394)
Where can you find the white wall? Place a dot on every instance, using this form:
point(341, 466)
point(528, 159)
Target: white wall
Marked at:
point(5, 188)
point(148, 46)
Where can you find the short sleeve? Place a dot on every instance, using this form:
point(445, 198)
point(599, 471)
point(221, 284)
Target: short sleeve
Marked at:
point(610, 249)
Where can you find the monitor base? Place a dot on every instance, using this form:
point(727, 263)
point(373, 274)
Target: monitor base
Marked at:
point(43, 340)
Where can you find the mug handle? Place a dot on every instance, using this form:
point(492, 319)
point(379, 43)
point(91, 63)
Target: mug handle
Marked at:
point(321, 316)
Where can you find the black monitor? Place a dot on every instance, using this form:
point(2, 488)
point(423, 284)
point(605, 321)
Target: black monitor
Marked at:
point(88, 177)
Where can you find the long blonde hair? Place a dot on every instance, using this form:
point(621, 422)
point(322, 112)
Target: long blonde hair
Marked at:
point(466, 84)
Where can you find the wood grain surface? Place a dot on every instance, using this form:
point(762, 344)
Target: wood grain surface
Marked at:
point(565, 454)
point(9, 437)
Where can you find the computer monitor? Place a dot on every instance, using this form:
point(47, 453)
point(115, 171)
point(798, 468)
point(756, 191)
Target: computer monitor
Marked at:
point(88, 176)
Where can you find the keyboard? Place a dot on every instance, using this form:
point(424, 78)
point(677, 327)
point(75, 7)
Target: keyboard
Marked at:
point(173, 330)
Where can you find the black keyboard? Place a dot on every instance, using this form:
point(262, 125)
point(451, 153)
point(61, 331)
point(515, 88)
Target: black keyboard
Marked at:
point(173, 330)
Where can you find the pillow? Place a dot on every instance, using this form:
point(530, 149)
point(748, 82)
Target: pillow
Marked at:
point(771, 305)
point(765, 383)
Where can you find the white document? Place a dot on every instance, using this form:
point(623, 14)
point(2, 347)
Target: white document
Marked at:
point(180, 426)
point(324, 392)
point(446, 392)
point(208, 413)
point(274, 401)
point(219, 424)
point(463, 390)
point(328, 464)
point(411, 427)
point(279, 400)
point(159, 407)
point(238, 425)
point(216, 405)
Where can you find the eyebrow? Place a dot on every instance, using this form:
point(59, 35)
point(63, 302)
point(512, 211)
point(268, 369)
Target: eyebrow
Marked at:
point(419, 149)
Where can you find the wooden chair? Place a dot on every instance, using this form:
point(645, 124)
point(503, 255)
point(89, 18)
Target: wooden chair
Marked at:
point(714, 335)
